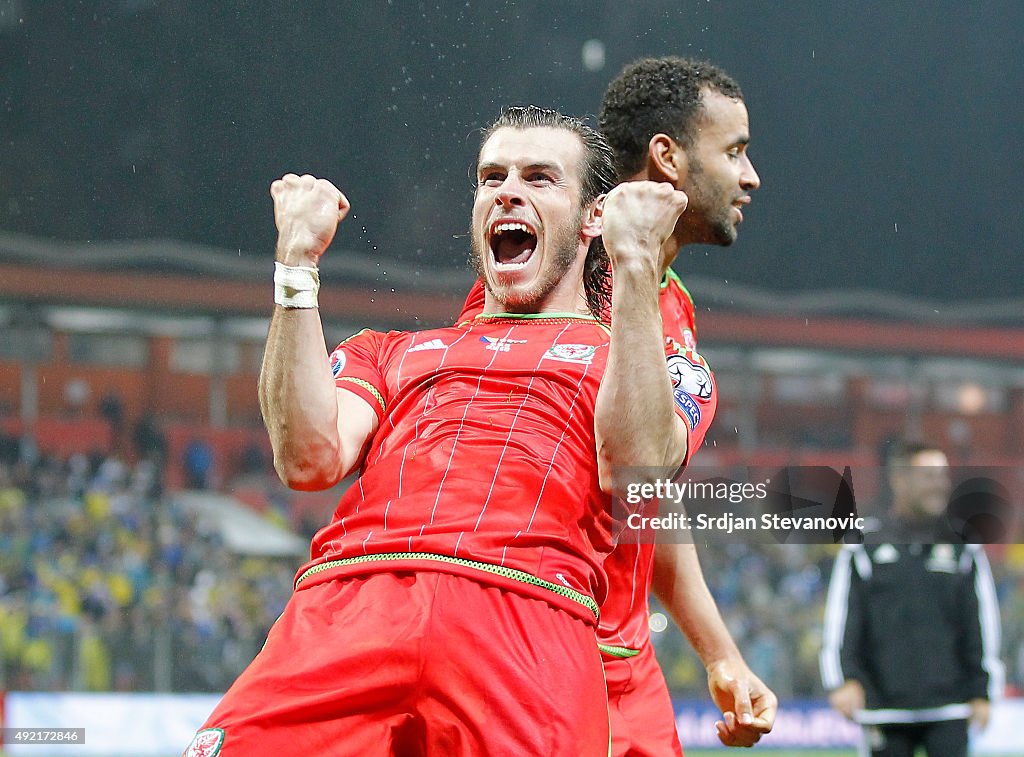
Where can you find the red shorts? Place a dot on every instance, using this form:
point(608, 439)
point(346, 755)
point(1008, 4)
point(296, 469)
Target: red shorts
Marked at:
point(412, 664)
point(642, 716)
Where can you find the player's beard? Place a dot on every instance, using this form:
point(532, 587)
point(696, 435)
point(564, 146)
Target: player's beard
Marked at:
point(560, 253)
point(711, 207)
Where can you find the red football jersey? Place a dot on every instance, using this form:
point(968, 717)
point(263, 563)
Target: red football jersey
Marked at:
point(629, 567)
point(484, 463)
point(625, 612)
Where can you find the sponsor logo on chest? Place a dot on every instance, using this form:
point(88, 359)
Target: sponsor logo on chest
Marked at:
point(501, 343)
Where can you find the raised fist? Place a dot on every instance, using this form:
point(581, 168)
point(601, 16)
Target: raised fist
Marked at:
point(638, 217)
point(307, 211)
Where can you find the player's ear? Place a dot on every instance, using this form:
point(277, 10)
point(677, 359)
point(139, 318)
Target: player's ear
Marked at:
point(592, 223)
point(666, 160)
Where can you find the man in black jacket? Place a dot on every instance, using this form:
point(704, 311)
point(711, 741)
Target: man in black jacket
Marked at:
point(911, 637)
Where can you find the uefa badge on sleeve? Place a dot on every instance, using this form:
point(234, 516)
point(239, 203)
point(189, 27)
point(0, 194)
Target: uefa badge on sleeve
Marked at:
point(691, 384)
point(337, 362)
point(207, 743)
point(690, 377)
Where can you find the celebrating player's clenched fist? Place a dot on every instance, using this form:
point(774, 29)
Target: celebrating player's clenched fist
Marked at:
point(307, 211)
point(638, 217)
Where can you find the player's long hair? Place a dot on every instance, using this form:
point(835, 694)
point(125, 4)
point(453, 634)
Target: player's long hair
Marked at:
point(658, 96)
point(597, 178)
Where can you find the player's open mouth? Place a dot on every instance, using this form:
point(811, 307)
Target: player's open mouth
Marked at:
point(512, 243)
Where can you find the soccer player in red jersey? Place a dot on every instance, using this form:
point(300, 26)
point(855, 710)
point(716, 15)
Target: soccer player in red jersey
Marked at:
point(681, 122)
point(450, 606)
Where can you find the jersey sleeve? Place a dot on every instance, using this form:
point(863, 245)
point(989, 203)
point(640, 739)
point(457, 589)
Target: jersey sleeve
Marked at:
point(694, 394)
point(356, 366)
point(693, 385)
point(678, 313)
point(474, 304)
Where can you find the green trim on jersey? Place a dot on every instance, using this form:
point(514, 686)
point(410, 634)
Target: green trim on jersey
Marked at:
point(350, 338)
point(536, 316)
point(624, 652)
point(368, 387)
point(511, 573)
point(670, 274)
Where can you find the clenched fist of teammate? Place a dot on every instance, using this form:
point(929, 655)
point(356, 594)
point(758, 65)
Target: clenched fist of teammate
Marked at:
point(307, 211)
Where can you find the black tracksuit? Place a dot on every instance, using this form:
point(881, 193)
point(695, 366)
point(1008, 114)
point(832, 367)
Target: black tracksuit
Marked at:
point(918, 626)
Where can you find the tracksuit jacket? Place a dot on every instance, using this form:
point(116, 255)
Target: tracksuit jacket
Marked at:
point(917, 625)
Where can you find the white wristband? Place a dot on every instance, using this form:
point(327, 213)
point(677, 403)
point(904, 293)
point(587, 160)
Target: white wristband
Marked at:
point(296, 286)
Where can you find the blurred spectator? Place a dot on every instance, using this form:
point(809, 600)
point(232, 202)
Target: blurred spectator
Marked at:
point(112, 411)
point(198, 464)
point(150, 442)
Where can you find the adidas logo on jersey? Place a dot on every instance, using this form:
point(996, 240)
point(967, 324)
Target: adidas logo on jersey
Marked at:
point(433, 344)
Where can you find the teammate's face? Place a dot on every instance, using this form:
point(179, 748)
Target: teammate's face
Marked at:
point(720, 175)
point(921, 489)
point(528, 239)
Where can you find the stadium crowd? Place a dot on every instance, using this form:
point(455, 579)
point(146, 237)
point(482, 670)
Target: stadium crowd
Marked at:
point(108, 584)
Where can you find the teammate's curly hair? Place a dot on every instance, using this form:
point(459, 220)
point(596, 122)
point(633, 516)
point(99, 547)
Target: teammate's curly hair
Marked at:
point(657, 96)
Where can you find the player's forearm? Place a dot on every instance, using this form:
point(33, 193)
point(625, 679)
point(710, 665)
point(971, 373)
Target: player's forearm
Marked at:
point(679, 585)
point(299, 401)
point(636, 424)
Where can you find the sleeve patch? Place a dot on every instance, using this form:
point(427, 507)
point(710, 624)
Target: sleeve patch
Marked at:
point(689, 377)
point(689, 406)
point(337, 362)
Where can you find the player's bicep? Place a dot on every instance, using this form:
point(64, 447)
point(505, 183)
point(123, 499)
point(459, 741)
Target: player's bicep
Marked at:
point(357, 423)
